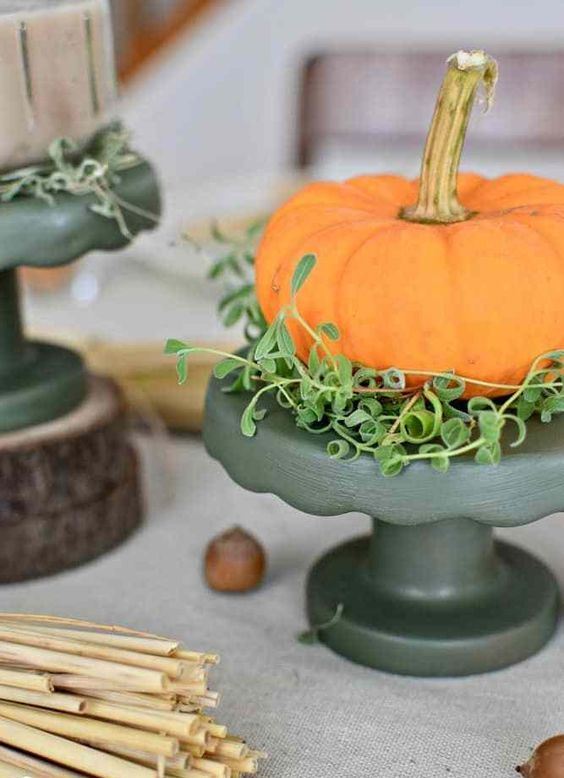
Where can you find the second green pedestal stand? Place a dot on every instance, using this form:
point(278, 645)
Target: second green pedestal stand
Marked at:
point(39, 381)
point(69, 480)
point(430, 592)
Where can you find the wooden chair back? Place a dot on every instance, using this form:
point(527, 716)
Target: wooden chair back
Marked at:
point(361, 98)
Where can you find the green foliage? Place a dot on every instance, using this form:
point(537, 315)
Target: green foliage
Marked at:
point(386, 414)
point(91, 171)
point(312, 636)
point(235, 270)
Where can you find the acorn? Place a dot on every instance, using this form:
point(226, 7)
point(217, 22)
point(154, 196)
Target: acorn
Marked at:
point(235, 562)
point(547, 760)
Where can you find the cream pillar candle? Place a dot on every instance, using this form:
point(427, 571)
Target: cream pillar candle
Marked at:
point(57, 75)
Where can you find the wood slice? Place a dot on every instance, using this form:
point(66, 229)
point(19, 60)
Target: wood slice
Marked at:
point(74, 459)
point(69, 490)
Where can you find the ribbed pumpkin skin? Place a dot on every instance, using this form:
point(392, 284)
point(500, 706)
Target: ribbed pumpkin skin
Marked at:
point(483, 297)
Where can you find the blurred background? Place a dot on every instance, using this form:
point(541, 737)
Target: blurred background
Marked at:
point(237, 102)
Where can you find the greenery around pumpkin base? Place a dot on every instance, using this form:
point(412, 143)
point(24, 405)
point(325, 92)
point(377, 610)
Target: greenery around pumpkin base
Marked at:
point(368, 411)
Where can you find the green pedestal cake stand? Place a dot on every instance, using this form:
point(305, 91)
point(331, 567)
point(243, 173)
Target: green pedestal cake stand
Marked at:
point(430, 592)
point(38, 381)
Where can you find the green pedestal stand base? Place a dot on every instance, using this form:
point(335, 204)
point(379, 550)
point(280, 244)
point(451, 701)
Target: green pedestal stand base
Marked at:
point(510, 616)
point(49, 382)
point(430, 593)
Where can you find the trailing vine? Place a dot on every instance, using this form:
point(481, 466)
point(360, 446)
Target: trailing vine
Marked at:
point(92, 171)
point(366, 411)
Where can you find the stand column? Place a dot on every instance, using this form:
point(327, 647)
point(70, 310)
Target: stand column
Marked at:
point(440, 562)
point(12, 343)
point(39, 382)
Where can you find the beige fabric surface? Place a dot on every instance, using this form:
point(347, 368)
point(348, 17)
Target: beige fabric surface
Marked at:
point(317, 714)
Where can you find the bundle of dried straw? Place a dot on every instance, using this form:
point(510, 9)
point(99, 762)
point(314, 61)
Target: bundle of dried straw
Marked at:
point(79, 699)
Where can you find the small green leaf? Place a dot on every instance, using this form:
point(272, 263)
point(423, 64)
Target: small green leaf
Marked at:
point(384, 453)
point(311, 636)
point(532, 393)
point(554, 404)
point(357, 417)
point(344, 370)
point(259, 414)
point(488, 454)
point(393, 379)
point(454, 433)
point(432, 448)
point(248, 425)
point(391, 467)
point(266, 343)
point(268, 365)
point(391, 459)
point(225, 367)
point(302, 272)
point(182, 369)
point(478, 404)
point(174, 346)
point(217, 270)
point(338, 449)
point(340, 402)
point(524, 409)
point(256, 229)
point(329, 329)
point(217, 233)
point(490, 425)
point(521, 429)
point(373, 406)
point(365, 377)
point(237, 295)
point(372, 432)
point(313, 361)
point(448, 387)
point(306, 415)
point(440, 463)
point(284, 340)
point(233, 315)
point(418, 426)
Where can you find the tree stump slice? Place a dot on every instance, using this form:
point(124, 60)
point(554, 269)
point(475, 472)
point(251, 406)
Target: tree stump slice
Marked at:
point(69, 489)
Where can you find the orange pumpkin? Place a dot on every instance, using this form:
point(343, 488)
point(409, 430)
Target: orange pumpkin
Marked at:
point(471, 278)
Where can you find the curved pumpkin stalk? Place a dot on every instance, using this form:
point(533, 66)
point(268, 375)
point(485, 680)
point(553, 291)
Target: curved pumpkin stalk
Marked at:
point(438, 199)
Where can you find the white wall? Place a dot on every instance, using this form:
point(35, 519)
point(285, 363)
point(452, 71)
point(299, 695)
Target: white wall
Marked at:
point(223, 101)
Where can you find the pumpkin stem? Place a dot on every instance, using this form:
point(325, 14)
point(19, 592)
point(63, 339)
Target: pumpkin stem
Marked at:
point(438, 198)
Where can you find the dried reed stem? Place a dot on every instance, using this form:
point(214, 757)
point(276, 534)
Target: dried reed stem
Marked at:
point(38, 768)
point(66, 752)
point(35, 618)
point(140, 678)
point(216, 769)
point(155, 646)
point(62, 702)
point(150, 702)
point(167, 665)
point(27, 679)
point(90, 729)
point(177, 724)
point(180, 761)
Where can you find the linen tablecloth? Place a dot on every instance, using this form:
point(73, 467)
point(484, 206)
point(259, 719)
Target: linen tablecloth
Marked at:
point(316, 714)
